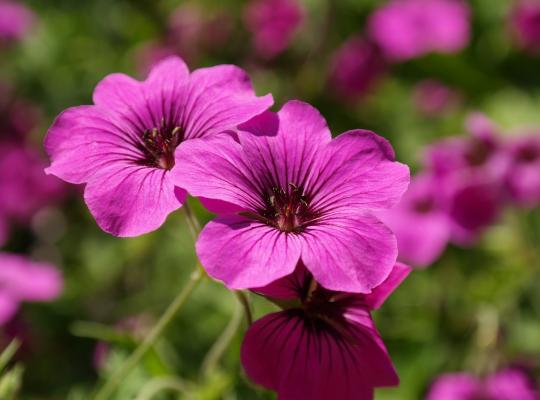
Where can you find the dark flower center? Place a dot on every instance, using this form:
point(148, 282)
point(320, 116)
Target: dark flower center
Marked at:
point(423, 205)
point(286, 209)
point(478, 153)
point(527, 154)
point(158, 145)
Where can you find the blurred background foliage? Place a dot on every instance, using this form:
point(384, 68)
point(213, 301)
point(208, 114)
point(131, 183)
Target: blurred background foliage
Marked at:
point(474, 307)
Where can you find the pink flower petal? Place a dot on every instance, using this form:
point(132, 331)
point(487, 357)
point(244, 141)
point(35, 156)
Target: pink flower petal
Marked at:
point(8, 307)
point(244, 253)
point(350, 251)
point(302, 359)
point(131, 200)
point(379, 294)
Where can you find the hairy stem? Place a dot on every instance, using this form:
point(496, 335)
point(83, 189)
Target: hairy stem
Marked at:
point(108, 389)
point(158, 385)
point(193, 222)
point(244, 301)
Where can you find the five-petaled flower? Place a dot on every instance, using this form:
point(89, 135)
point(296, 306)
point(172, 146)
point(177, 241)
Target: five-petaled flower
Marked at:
point(290, 192)
point(323, 344)
point(123, 147)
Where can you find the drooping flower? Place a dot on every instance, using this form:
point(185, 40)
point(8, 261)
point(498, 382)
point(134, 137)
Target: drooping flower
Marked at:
point(523, 180)
point(293, 193)
point(324, 344)
point(406, 29)
point(24, 186)
point(123, 147)
point(525, 22)
point(355, 68)
point(273, 24)
point(420, 224)
point(433, 98)
point(15, 21)
point(24, 280)
point(469, 178)
point(508, 384)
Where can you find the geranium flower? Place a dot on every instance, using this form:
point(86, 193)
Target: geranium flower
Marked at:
point(273, 24)
point(525, 23)
point(15, 20)
point(420, 224)
point(24, 280)
point(293, 193)
point(406, 29)
point(123, 147)
point(469, 176)
point(504, 385)
point(523, 178)
point(355, 68)
point(324, 344)
point(24, 186)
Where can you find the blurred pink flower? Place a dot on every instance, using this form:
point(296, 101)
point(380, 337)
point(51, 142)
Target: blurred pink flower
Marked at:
point(24, 280)
point(508, 384)
point(324, 344)
point(469, 178)
point(192, 29)
point(15, 20)
point(273, 24)
point(355, 68)
point(525, 23)
point(149, 54)
point(298, 194)
point(433, 98)
point(523, 178)
point(24, 186)
point(420, 224)
point(17, 116)
point(123, 147)
point(406, 29)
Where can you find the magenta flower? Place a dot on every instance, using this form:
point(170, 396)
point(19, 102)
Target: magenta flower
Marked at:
point(420, 224)
point(406, 29)
point(523, 180)
point(123, 147)
point(525, 22)
point(297, 194)
point(355, 68)
point(469, 177)
point(508, 384)
point(273, 24)
point(433, 98)
point(25, 280)
point(324, 344)
point(24, 186)
point(15, 20)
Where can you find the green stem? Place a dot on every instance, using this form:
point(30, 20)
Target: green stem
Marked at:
point(222, 343)
point(244, 301)
point(155, 386)
point(193, 222)
point(108, 389)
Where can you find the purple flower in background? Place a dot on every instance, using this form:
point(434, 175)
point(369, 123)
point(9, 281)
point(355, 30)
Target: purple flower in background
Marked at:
point(273, 24)
point(123, 147)
point(293, 193)
point(17, 116)
point(508, 384)
point(406, 29)
point(433, 98)
point(525, 22)
point(355, 68)
point(15, 20)
point(420, 224)
point(324, 345)
point(150, 54)
point(469, 177)
point(24, 280)
point(24, 186)
point(523, 180)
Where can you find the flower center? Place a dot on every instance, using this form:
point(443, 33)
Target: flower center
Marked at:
point(478, 153)
point(527, 155)
point(423, 205)
point(288, 210)
point(158, 145)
